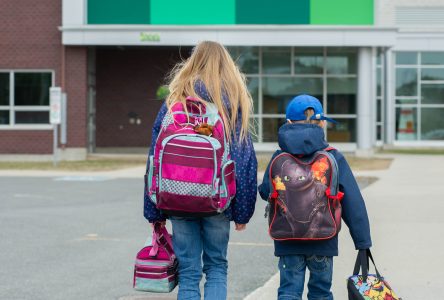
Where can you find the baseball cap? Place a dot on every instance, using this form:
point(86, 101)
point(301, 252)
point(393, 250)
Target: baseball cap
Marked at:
point(299, 104)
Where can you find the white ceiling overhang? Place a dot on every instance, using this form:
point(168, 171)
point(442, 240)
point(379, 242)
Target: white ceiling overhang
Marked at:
point(230, 35)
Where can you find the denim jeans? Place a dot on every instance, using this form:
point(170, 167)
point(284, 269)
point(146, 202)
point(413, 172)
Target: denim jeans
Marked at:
point(197, 240)
point(292, 271)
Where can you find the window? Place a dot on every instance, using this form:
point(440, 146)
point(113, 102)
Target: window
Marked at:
point(419, 96)
point(309, 61)
point(380, 98)
point(341, 61)
point(277, 74)
point(276, 60)
point(341, 93)
point(247, 58)
point(24, 97)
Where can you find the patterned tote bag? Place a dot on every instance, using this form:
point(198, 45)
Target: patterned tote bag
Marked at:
point(368, 286)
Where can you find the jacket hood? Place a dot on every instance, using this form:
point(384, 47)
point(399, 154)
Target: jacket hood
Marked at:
point(303, 139)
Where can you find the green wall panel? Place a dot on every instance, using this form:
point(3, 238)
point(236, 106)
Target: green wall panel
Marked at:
point(214, 12)
point(273, 12)
point(192, 12)
point(118, 11)
point(341, 12)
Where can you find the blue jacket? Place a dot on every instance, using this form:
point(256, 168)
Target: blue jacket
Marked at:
point(305, 139)
point(242, 207)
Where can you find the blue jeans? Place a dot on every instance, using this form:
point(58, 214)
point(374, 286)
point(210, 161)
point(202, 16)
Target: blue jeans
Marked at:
point(292, 271)
point(197, 240)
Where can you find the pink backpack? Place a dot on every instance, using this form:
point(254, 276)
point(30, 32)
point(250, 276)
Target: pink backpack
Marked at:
point(191, 173)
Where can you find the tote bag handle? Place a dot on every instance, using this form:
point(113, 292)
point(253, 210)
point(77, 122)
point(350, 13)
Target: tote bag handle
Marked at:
point(362, 262)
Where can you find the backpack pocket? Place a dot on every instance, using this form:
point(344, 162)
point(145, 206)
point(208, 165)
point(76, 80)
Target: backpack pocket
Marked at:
point(188, 174)
point(228, 184)
point(151, 183)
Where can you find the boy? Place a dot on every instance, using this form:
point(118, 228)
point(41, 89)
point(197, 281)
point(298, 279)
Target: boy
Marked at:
point(303, 135)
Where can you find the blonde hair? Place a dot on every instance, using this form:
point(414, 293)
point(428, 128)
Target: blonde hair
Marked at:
point(309, 112)
point(211, 64)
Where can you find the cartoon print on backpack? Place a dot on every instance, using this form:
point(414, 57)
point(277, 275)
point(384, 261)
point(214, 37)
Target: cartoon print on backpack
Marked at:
point(301, 209)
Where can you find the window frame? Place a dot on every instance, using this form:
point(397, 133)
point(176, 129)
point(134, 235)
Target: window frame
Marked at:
point(12, 108)
point(260, 115)
point(418, 98)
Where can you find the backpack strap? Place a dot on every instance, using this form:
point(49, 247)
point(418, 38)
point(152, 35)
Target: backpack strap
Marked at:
point(332, 191)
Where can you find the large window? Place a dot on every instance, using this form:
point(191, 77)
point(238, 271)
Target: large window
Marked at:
point(419, 96)
point(24, 97)
point(277, 74)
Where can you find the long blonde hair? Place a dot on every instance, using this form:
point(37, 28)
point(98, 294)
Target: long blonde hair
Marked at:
point(211, 64)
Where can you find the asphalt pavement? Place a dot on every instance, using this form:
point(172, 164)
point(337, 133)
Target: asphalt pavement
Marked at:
point(405, 207)
point(75, 236)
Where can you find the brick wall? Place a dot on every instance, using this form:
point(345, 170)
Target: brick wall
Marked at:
point(127, 80)
point(30, 39)
point(77, 91)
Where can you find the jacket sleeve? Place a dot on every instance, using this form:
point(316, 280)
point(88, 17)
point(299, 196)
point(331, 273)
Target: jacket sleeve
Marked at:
point(151, 213)
point(354, 212)
point(246, 178)
point(264, 187)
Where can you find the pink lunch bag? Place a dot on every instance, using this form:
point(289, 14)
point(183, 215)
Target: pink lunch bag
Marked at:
point(156, 265)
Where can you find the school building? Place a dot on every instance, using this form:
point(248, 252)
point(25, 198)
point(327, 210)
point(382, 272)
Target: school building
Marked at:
point(377, 66)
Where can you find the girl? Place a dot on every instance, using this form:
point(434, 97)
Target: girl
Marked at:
point(211, 75)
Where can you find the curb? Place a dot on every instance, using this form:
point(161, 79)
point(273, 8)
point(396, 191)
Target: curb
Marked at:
point(267, 291)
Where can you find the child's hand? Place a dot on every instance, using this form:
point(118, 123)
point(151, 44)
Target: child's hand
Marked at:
point(162, 224)
point(240, 227)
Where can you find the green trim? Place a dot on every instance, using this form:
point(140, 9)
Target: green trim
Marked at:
point(341, 12)
point(273, 12)
point(192, 12)
point(228, 12)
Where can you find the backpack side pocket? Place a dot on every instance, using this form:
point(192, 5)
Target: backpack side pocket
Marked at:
point(228, 184)
point(151, 185)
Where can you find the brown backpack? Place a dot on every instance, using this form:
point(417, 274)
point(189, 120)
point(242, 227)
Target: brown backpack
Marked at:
point(305, 201)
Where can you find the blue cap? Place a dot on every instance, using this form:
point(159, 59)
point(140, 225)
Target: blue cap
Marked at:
point(299, 104)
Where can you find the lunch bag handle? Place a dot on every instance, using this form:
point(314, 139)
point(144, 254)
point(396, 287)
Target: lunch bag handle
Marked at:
point(161, 238)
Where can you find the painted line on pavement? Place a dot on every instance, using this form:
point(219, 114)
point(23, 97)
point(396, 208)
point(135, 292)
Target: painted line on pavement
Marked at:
point(250, 244)
point(82, 178)
point(32, 196)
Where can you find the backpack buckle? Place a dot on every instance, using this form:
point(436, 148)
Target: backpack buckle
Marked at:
point(339, 195)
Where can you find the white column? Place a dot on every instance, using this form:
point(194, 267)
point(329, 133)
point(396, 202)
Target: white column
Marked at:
point(365, 103)
point(73, 12)
point(389, 97)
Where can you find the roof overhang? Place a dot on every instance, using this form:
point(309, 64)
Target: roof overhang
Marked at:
point(417, 40)
point(234, 35)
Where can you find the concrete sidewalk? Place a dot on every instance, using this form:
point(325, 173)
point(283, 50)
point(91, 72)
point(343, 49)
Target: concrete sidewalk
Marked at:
point(406, 211)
